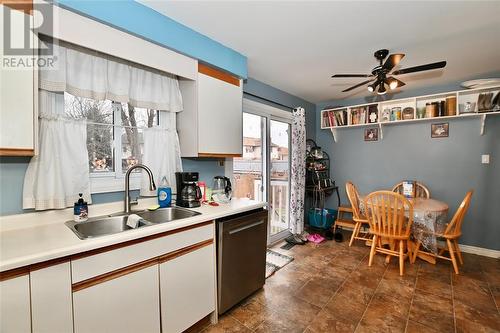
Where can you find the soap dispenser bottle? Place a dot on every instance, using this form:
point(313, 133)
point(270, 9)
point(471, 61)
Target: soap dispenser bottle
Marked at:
point(80, 210)
point(164, 194)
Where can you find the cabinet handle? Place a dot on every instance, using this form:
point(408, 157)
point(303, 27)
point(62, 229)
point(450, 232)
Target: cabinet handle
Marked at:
point(234, 231)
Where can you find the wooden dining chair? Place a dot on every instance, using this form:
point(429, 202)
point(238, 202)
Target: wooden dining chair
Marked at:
point(343, 219)
point(450, 235)
point(359, 219)
point(390, 216)
point(421, 191)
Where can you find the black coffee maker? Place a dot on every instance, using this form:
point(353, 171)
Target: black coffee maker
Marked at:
point(188, 192)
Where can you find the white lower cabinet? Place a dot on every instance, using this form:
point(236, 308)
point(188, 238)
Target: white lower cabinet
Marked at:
point(51, 303)
point(128, 303)
point(187, 289)
point(15, 313)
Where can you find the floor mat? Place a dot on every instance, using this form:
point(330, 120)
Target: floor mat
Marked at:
point(276, 261)
point(287, 246)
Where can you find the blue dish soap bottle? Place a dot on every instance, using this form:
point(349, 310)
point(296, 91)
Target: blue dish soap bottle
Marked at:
point(80, 210)
point(164, 194)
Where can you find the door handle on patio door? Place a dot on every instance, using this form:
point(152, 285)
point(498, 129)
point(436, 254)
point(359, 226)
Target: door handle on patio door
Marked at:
point(246, 227)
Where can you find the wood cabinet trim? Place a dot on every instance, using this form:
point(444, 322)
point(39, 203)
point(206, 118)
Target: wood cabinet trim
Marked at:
point(25, 6)
point(12, 273)
point(218, 155)
point(113, 274)
point(138, 266)
point(217, 74)
point(17, 152)
point(185, 250)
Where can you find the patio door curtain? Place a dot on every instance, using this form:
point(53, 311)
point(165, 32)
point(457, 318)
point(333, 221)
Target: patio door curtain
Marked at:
point(298, 172)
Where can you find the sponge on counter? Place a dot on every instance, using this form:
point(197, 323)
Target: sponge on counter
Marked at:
point(155, 207)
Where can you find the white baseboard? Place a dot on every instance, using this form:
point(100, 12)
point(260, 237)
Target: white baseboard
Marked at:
point(480, 251)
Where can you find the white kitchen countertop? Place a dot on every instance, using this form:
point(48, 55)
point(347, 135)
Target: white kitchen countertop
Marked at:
point(28, 242)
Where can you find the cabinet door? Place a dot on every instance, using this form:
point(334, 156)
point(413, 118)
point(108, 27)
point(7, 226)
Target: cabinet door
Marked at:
point(51, 286)
point(220, 118)
point(128, 303)
point(15, 316)
point(187, 288)
point(17, 123)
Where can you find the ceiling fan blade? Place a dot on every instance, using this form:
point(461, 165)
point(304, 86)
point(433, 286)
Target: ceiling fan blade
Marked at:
point(392, 61)
point(358, 85)
point(352, 75)
point(434, 65)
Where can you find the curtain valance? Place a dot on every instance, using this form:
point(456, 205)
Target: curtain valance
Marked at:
point(86, 73)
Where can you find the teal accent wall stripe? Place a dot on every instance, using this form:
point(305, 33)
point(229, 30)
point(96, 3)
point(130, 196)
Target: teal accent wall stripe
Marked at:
point(144, 22)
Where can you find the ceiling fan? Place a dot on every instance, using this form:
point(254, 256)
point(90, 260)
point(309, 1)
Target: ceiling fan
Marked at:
point(382, 76)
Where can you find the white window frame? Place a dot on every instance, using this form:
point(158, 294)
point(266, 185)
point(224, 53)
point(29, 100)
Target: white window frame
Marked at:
point(115, 181)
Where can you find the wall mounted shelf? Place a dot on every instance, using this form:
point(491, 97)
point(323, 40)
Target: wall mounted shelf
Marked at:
point(345, 114)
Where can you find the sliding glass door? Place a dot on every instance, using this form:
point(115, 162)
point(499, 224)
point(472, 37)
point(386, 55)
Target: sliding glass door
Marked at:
point(249, 171)
point(279, 187)
point(263, 172)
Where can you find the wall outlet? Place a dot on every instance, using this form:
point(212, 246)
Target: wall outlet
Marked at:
point(485, 159)
point(220, 163)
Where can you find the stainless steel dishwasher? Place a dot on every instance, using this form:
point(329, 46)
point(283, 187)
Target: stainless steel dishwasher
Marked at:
point(241, 256)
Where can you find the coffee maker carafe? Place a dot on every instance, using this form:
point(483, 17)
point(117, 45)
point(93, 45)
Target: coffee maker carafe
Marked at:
point(188, 192)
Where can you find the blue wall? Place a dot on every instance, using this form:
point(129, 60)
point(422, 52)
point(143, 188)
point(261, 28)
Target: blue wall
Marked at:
point(448, 166)
point(144, 22)
point(268, 92)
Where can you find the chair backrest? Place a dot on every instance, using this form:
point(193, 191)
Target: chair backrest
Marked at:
point(454, 228)
point(389, 214)
point(353, 196)
point(421, 191)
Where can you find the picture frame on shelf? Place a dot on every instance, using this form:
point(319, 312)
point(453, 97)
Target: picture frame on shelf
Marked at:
point(440, 130)
point(371, 134)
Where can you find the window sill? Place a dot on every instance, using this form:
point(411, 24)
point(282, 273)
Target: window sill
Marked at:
point(110, 183)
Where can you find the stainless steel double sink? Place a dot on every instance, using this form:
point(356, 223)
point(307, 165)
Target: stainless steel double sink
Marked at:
point(116, 223)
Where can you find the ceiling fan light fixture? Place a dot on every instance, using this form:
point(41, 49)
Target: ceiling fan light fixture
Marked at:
point(381, 89)
point(371, 87)
point(393, 84)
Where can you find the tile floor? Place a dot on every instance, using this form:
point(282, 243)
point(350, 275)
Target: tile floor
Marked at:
point(330, 288)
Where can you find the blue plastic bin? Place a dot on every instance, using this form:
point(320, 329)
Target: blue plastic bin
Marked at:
point(321, 218)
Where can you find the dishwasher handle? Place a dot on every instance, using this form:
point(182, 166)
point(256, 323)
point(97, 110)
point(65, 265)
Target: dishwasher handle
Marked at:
point(234, 231)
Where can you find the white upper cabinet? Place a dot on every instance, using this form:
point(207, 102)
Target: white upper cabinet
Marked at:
point(211, 124)
point(17, 85)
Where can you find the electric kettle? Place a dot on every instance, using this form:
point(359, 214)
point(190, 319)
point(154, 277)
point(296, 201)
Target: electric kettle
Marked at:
point(222, 190)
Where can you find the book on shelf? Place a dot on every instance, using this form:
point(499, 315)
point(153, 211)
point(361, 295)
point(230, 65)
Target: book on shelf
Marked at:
point(332, 118)
point(359, 115)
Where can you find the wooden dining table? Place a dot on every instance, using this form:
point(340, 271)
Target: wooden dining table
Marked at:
point(430, 218)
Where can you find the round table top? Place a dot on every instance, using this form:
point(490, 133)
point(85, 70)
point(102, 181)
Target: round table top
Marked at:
point(428, 205)
point(424, 204)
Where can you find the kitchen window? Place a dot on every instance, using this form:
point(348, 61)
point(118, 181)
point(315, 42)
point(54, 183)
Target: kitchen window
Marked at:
point(115, 139)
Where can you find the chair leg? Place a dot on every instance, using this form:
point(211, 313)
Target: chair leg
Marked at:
point(392, 246)
point(401, 258)
point(409, 248)
point(459, 253)
point(415, 252)
point(372, 250)
point(354, 233)
point(452, 255)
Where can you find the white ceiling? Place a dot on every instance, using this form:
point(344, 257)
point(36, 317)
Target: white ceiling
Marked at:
point(296, 46)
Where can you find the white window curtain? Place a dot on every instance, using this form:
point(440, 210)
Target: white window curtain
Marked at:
point(61, 170)
point(161, 152)
point(298, 174)
point(86, 73)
